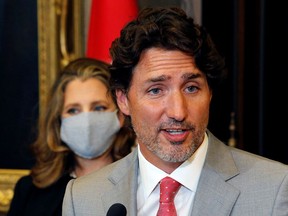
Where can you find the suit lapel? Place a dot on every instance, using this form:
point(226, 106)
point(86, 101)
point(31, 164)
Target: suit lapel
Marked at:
point(214, 196)
point(124, 185)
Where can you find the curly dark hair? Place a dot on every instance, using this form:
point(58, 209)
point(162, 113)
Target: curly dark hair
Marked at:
point(170, 29)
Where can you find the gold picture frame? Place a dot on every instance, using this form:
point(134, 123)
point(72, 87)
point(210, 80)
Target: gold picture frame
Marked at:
point(8, 179)
point(60, 40)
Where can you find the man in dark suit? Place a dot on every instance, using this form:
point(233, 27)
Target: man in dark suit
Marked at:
point(165, 68)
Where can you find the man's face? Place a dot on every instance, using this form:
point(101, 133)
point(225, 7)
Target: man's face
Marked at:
point(168, 103)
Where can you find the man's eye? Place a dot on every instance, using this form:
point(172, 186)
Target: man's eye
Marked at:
point(192, 89)
point(154, 91)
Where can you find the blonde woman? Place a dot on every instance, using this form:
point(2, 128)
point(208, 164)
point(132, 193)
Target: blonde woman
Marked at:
point(81, 132)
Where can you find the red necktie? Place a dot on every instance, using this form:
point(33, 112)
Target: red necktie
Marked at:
point(168, 189)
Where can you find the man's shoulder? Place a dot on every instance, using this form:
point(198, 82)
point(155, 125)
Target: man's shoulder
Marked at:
point(242, 157)
point(243, 161)
point(245, 158)
point(114, 170)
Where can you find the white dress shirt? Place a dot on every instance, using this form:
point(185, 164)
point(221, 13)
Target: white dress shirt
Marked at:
point(187, 174)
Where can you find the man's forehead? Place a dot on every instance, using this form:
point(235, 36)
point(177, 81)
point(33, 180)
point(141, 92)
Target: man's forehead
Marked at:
point(167, 77)
point(184, 76)
point(155, 54)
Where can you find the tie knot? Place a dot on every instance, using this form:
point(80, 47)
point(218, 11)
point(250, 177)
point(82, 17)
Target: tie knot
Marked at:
point(168, 189)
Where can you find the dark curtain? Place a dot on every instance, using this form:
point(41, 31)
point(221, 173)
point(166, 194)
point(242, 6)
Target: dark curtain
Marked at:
point(18, 82)
point(266, 78)
point(253, 37)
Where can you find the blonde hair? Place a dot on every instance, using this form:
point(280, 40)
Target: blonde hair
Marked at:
point(53, 157)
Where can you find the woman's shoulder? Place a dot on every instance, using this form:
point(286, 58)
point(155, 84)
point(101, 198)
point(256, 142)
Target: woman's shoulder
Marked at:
point(24, 182)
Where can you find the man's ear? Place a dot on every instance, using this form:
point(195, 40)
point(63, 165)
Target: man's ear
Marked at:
point(121, 118)
point(122, 102)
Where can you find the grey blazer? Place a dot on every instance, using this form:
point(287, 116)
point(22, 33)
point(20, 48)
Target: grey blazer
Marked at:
point(232, 182)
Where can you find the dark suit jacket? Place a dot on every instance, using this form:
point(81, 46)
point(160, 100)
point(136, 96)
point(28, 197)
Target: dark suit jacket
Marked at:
point(29, 200)
point(232, 183)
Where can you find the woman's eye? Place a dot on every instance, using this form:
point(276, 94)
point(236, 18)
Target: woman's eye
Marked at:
point(73, 111)
point(100, 108)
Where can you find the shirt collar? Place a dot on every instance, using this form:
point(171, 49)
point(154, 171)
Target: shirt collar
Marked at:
point(187, 174)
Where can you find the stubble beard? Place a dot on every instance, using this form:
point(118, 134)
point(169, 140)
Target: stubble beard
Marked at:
point(177, 151)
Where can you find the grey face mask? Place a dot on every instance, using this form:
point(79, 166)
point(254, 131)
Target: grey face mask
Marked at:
point(90, 134)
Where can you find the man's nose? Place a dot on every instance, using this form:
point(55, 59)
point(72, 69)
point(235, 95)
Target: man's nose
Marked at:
point(176, 106)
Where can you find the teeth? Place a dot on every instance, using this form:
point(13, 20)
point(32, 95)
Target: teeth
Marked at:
point(175, 131)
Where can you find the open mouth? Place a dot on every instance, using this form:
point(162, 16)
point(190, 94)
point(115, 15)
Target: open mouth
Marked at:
point(175, 135)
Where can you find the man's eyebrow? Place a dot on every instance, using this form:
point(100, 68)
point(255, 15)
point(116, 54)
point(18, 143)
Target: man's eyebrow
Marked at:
point(159, 78)
point(188, 76)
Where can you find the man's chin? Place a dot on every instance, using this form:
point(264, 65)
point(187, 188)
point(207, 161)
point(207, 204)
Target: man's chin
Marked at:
point(173, 156)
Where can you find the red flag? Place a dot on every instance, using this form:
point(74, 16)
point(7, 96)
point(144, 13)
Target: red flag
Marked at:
point(107, 18)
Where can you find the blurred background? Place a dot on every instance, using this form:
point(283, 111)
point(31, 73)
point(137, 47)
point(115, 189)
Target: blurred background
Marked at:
point(250, 110)
point(37, 38)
